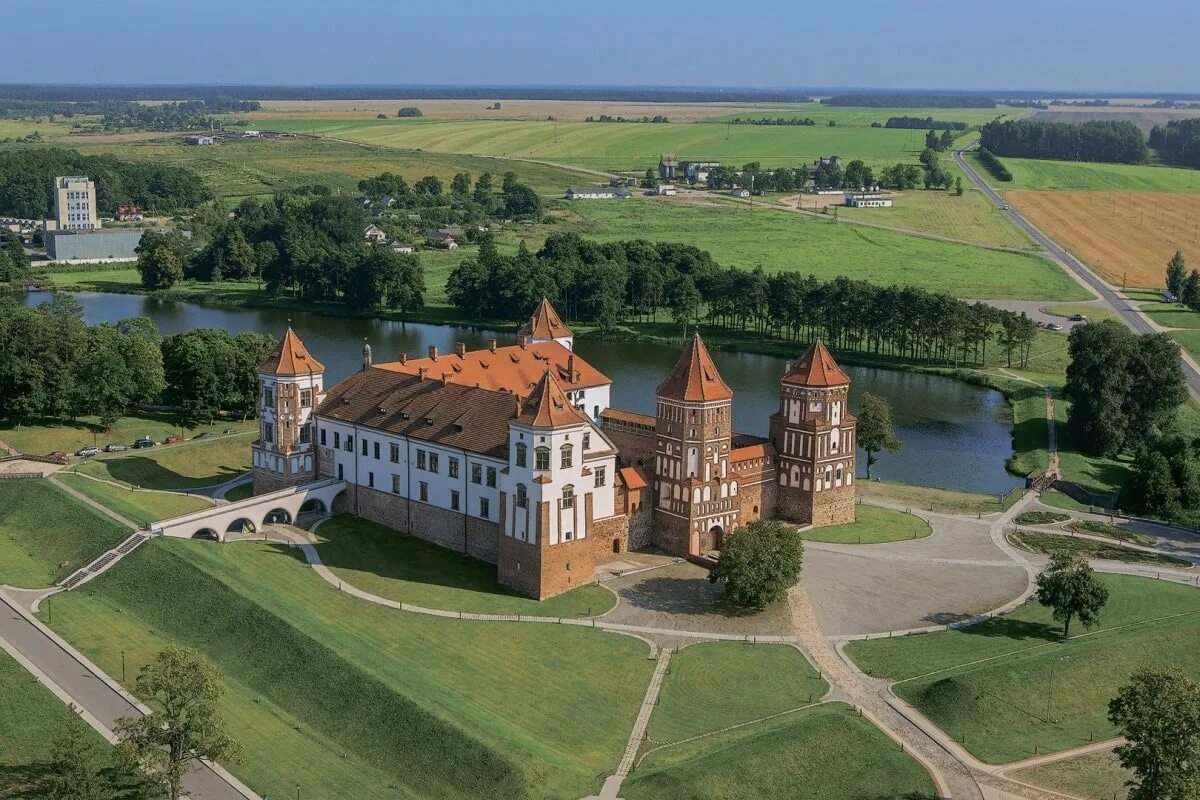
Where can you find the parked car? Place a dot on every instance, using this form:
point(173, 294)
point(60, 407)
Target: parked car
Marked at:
point(145, 441)
point(203, 435)
point(1077, 318)
point(230, 431)
point(115, 448)
point(85, 452)
point(1054, 326)
point(173, 440)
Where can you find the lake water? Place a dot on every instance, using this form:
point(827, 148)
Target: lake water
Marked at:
point(956, 435)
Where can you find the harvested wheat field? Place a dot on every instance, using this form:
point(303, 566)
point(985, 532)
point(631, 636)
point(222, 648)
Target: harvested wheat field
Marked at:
point(1127, 237)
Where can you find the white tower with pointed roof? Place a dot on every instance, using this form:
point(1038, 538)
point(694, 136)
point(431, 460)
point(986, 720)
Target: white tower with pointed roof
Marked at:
point(545, 325)
point(291, 386)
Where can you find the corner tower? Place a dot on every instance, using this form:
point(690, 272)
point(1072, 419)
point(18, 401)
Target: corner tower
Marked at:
point(291, 386)
point(814, 437)
point(695, 500)
point(546, 326)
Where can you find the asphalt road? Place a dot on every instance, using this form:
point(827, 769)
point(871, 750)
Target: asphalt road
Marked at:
point(88, 691)
point(1120, 305)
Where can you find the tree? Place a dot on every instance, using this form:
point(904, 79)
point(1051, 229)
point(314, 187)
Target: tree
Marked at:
point(17, 257)
point(461, 185)
point(1098, 382)
point(1176, 273)
point(1157, 385)
point(874, 428)
point(759, 563)
point(8, 272)
point(1070, 589)
point(932, 142)
point(184, 725)
point(650, 179)
point(958, 187)
point(76, 773)
point(1151, 487)
point(161, 257)
point(928, 158)
point(685, 301)
point(1158, 713)
point(947, 140)
point(1189, 290)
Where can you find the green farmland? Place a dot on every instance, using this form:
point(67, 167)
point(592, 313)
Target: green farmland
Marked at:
point(863, 117)
point(349, 699)
point(988, 685)
point(1034, 173)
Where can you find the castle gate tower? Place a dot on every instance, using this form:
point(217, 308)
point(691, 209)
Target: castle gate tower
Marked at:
point(290, 387)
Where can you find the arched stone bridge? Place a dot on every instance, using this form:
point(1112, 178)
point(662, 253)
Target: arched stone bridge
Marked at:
point(252, 513)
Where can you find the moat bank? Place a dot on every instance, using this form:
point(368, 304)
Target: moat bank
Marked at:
point(957, 435)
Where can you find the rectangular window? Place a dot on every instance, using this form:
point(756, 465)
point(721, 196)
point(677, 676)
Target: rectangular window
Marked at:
point(453, 500)
point(341, 476)
point(541, 458)
point(349, 444)
point(484, 507)
point(452, 467)
point(306, 434)
point(268, 433)
point(587, 441)
point(424, 496)
point(420, 459)
point(433, 462)
point(337, 440)
point(491, 477)
point(394, 453)
point(565, 461)
point(268, 399)
point(568, 497)
point(364, 447)
point(476, 473)
point(371, 480)
point(521, 455)
point(322, 437)
point(395, 484)
point(600, 476)
point(377, 451)
point(305, 398)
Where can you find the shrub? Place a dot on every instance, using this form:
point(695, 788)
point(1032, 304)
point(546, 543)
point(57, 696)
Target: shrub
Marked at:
point(759, 563)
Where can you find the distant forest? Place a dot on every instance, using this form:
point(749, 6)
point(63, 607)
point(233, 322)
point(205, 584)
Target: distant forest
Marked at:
point(170, 116)
point(1178, 142)
point(1119, 142)
point(909, 100)
point(928, 123)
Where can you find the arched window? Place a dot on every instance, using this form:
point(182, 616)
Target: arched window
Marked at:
point(522, 496)
point(541, 458)
point(522, 454)
point(568, 496)
point(839, 474)
point(828, 474)
point(566, 451)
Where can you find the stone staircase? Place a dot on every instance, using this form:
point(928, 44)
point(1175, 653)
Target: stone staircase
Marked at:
point(104, 561)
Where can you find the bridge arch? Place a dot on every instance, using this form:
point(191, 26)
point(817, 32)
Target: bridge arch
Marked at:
point(224, 519)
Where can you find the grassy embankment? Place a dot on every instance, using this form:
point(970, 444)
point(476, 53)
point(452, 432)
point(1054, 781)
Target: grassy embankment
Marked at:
point(988, 685)
point(179, 467)
point(71, 435)
point(1096, 776)
point(821, 752)
point(872, 525)
point(410, 570)
point(140, 506)
point(343, 697)
point(45, 534)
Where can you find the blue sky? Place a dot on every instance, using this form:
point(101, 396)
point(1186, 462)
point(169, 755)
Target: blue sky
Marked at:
point(1018, 44)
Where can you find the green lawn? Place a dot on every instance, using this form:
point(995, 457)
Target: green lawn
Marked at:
point(783, 241)
point(240, 492)
point(1040, 518)
point(31, 718)
point(1172, 315)
point(714, 685)
point(989, 683)
point(176, 467)
point(351, 699)
point(1057, 499)
point(45, 534)
point(69, 436)
point(1096, 528)
point(142, 507)
point(1097, 776)
point(1033, 173)
point(927, 498)
point(823, 753)
point(1093, 313)
point(872, 525)
point(411, 570)
point(1047, 543)
point(1189, 341)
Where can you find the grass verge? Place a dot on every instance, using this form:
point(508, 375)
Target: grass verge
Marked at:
point(70, 435)
point(142, 507)
point(872, 525)
point(1096, 776)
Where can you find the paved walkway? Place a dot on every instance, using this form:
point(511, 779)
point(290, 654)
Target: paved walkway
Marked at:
point(103, 509)
point(76, 680)
point(612, 784)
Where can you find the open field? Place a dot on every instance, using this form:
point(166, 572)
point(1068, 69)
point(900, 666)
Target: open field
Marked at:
point(239, 169)
point(989, 683)
point(1128, 237)
point(141, 507)
point(863, 117)
point(404, 568)
point(349, 699)
point(1082, 176)
point(783, 241)
point(1097, 776)
point(17, 128)
point(69, 436)
point(872, 525)
point(714, 685)
point(176, 467)
point(926, 498)
point(622, 146)
point(46, 534)
point(822, 753)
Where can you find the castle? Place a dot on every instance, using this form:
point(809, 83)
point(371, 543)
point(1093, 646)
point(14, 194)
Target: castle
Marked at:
point(513, 455)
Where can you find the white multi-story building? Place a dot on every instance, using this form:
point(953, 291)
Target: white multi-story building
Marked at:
point(75, 204)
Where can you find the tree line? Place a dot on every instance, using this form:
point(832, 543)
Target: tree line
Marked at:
point(1111, 141)
point(608, 283)
point(806, 122)
point(1178, 142)
point(918, 123)
point(657, 119)
point(909, 100)
point(994, 165)
point(172, 116)
point(27, 180)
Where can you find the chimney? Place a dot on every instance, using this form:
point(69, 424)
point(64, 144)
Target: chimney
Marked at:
point(571, 368)
point(523, 341)
point(492, 345)
point(445, 378)
point(433, 351)
point(461, 349)
point(422, 372)
point(404, 358)
point(366, 356)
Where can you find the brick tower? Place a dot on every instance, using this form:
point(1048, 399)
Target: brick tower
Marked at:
point(694, 503)
point(290, 387)
point(813, 434)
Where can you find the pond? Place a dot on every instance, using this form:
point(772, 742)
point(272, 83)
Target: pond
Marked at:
point(956, 435)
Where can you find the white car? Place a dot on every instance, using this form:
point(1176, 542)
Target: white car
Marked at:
point(85, 452)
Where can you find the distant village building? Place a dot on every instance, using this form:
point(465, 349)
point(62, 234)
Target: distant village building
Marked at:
point(667, 167)
point(697, 171)
point(513, 455)
point(113, 244)
point(199, 140)
point(129, 214)
point(739, 192)
point(665, 190)
point(868, 200)
point(597, 193)
point(397, 246)
point(75, 204)
point(374, 234)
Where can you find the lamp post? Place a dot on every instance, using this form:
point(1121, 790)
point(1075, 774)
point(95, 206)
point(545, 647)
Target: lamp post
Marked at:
point(122, 666)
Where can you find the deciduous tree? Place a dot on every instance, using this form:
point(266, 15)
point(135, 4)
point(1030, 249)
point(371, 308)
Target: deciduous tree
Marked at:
point(874, 428)
point(759, 563)
point(1158, 713)
point(1070, 589)
point(77, 774)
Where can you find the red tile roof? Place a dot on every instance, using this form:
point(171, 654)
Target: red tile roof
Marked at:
point(695, 378)
point(548, 406)
point(632, 417)
point(545, 323)
point(291, 357)
point(816, 368)
point(632, 477)
point(516, 368)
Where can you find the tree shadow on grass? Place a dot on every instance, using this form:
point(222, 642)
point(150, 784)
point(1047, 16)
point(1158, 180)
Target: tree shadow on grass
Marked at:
point(1016, 629)
point(695, 596)
point(149, 474)
point(31, 781)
